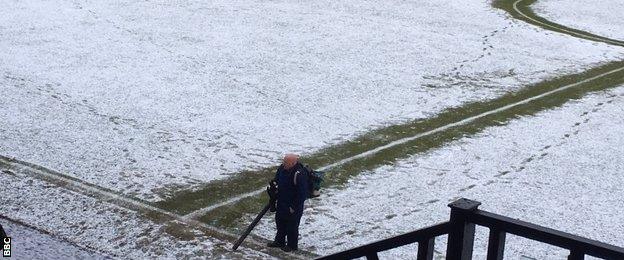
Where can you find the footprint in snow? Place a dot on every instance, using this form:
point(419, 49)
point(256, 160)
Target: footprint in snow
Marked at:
point(469, 187)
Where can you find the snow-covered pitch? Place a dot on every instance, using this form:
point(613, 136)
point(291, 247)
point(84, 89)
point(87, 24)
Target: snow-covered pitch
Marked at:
point(561, 169)
point(602, 17)
point(149, 97)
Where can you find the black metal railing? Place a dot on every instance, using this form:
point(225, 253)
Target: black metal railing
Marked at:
point(461, 232)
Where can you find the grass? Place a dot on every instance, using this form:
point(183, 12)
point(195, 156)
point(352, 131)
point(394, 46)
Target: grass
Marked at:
point(339, 175)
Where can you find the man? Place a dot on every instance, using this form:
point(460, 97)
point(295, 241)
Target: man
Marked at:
point(292, 182)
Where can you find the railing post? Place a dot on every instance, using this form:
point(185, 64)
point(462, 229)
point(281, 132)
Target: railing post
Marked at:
point(372, 256)
point(496, 244)
point(576, 255)
point(425, 249)
point(461, 236)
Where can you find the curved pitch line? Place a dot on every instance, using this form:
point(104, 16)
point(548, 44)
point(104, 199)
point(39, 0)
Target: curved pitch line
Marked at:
point(203, 211)
point(555, 28)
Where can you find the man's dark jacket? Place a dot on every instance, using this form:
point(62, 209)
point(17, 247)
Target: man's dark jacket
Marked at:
point(292, 189)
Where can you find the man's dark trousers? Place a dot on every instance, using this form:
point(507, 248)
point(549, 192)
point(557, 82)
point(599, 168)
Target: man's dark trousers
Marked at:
point(288, 228)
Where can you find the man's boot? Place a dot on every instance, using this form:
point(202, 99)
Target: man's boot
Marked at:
point(288, 249)
point(275, 244)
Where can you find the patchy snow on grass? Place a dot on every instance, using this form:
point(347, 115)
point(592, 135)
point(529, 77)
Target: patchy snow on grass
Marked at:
point(142, 96)
point(600, 17)
point(85, 222)
point(561, 168)
point(30, 243)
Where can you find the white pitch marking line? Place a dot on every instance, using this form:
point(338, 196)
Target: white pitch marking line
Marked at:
point(203, 211)
point(135, 203)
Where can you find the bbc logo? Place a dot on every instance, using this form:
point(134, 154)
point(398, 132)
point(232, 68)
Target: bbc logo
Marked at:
point(6, 249)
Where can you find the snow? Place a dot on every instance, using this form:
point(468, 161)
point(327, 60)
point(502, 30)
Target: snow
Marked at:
point(75, 221)
point(600, 17)
point(147, 97)
point(30, 243)
point(561, 168)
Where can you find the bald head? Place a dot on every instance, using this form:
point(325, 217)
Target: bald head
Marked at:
point(290, 160)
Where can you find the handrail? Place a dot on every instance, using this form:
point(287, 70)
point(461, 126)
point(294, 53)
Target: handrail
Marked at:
point(389, 243)
point(545, 235)
point(465, 215)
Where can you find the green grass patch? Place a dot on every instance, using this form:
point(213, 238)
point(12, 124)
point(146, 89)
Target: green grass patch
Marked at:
point(250, 181)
